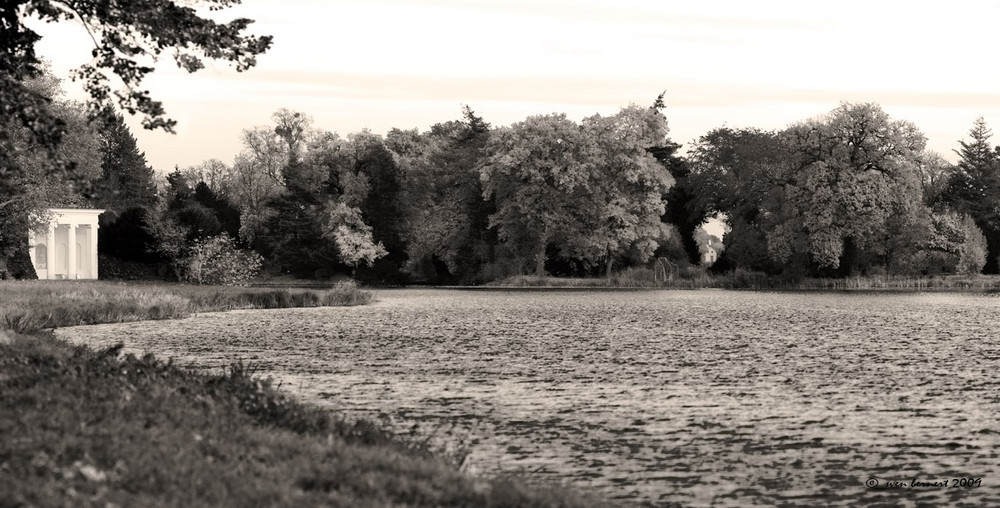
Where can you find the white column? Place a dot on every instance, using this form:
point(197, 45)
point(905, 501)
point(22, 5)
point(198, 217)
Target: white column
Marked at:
point(71, 252)
point(93, 250)
point(50, 252)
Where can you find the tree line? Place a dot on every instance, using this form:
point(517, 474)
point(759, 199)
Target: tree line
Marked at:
point(851, 192)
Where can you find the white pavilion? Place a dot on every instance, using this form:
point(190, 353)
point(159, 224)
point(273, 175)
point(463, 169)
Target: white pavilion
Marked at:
point(68, 249)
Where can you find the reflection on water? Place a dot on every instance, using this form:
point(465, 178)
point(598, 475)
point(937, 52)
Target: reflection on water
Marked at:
point(661, 397)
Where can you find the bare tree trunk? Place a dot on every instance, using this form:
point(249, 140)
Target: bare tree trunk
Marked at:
point(607, 266)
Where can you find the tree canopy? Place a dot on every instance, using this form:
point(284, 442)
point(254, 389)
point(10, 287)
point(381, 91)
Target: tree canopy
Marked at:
point(128, 37)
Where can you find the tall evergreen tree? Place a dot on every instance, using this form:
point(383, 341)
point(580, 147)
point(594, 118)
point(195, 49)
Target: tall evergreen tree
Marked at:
point(974, 187)
point(295, 227)
point(127, 180)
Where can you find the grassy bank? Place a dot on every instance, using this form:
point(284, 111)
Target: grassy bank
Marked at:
point(744, 279)
point(91, 428)
point(95, 428)
point(30, 306)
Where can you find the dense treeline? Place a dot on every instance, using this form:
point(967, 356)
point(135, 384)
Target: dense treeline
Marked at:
point(852, 192)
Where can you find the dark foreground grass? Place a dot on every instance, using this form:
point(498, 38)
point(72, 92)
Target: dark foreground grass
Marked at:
point(92, 428)
point(30, 306)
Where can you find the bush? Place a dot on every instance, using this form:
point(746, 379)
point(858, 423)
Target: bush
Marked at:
point(217, 260)
point(748, 279)
point(500, 269)
point(972, 252)
point(112, 268)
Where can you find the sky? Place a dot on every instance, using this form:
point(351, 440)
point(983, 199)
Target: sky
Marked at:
point(380, 64)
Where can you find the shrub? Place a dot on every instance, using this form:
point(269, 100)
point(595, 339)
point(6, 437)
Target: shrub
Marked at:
point(112, 268)
point(747, 279)
point(217, 260)
point(972, 252)
point(127, 236)
point(345, 293)
point(500, 269)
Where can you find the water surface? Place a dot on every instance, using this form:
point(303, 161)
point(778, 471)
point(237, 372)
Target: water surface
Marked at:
point(687, 398)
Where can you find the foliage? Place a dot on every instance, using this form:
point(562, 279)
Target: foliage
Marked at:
point(382, 207)
point(974, 185)
point(681, 211)
point(197, 211)
point(294, 229)
point(625, 194)
point(29, 186)
point(216, 260)
point(225, 213)
point(740, 174)
point(972, 252)
point(251, 186)
point(446, 230)
point(129, 37)
point(536, 172)
point(352, 236)
point(935, 173)
point(127, 181)
point(215, 174)
point(128, 236)
point(39, 139)
point(114, 268)
point(854, 171)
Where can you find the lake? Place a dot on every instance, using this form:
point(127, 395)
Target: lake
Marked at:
point(690, 398)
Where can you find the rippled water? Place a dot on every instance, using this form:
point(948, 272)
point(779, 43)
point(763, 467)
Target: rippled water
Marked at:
point(656, 397)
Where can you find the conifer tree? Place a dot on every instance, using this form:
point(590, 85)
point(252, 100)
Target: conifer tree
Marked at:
point(974, 187)
point(127, 179)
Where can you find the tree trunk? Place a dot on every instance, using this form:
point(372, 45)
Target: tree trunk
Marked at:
point(540, 257)
point(607, 266)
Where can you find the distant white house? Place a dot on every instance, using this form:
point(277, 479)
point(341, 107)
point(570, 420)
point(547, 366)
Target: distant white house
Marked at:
point(710, 251)
point(67, 249)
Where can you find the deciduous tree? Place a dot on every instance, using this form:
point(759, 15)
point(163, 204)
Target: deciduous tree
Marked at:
point(739, 174)
point(28, 186)
point(446, 228)
point(853, 170)
point(624, 200)
point(537, 173)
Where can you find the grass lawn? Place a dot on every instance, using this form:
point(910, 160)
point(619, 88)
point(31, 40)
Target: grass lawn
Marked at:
point(30, 306)
point(744, 279)
point(95, 428)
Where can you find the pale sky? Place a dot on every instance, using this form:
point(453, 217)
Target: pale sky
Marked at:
point(393, 63)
